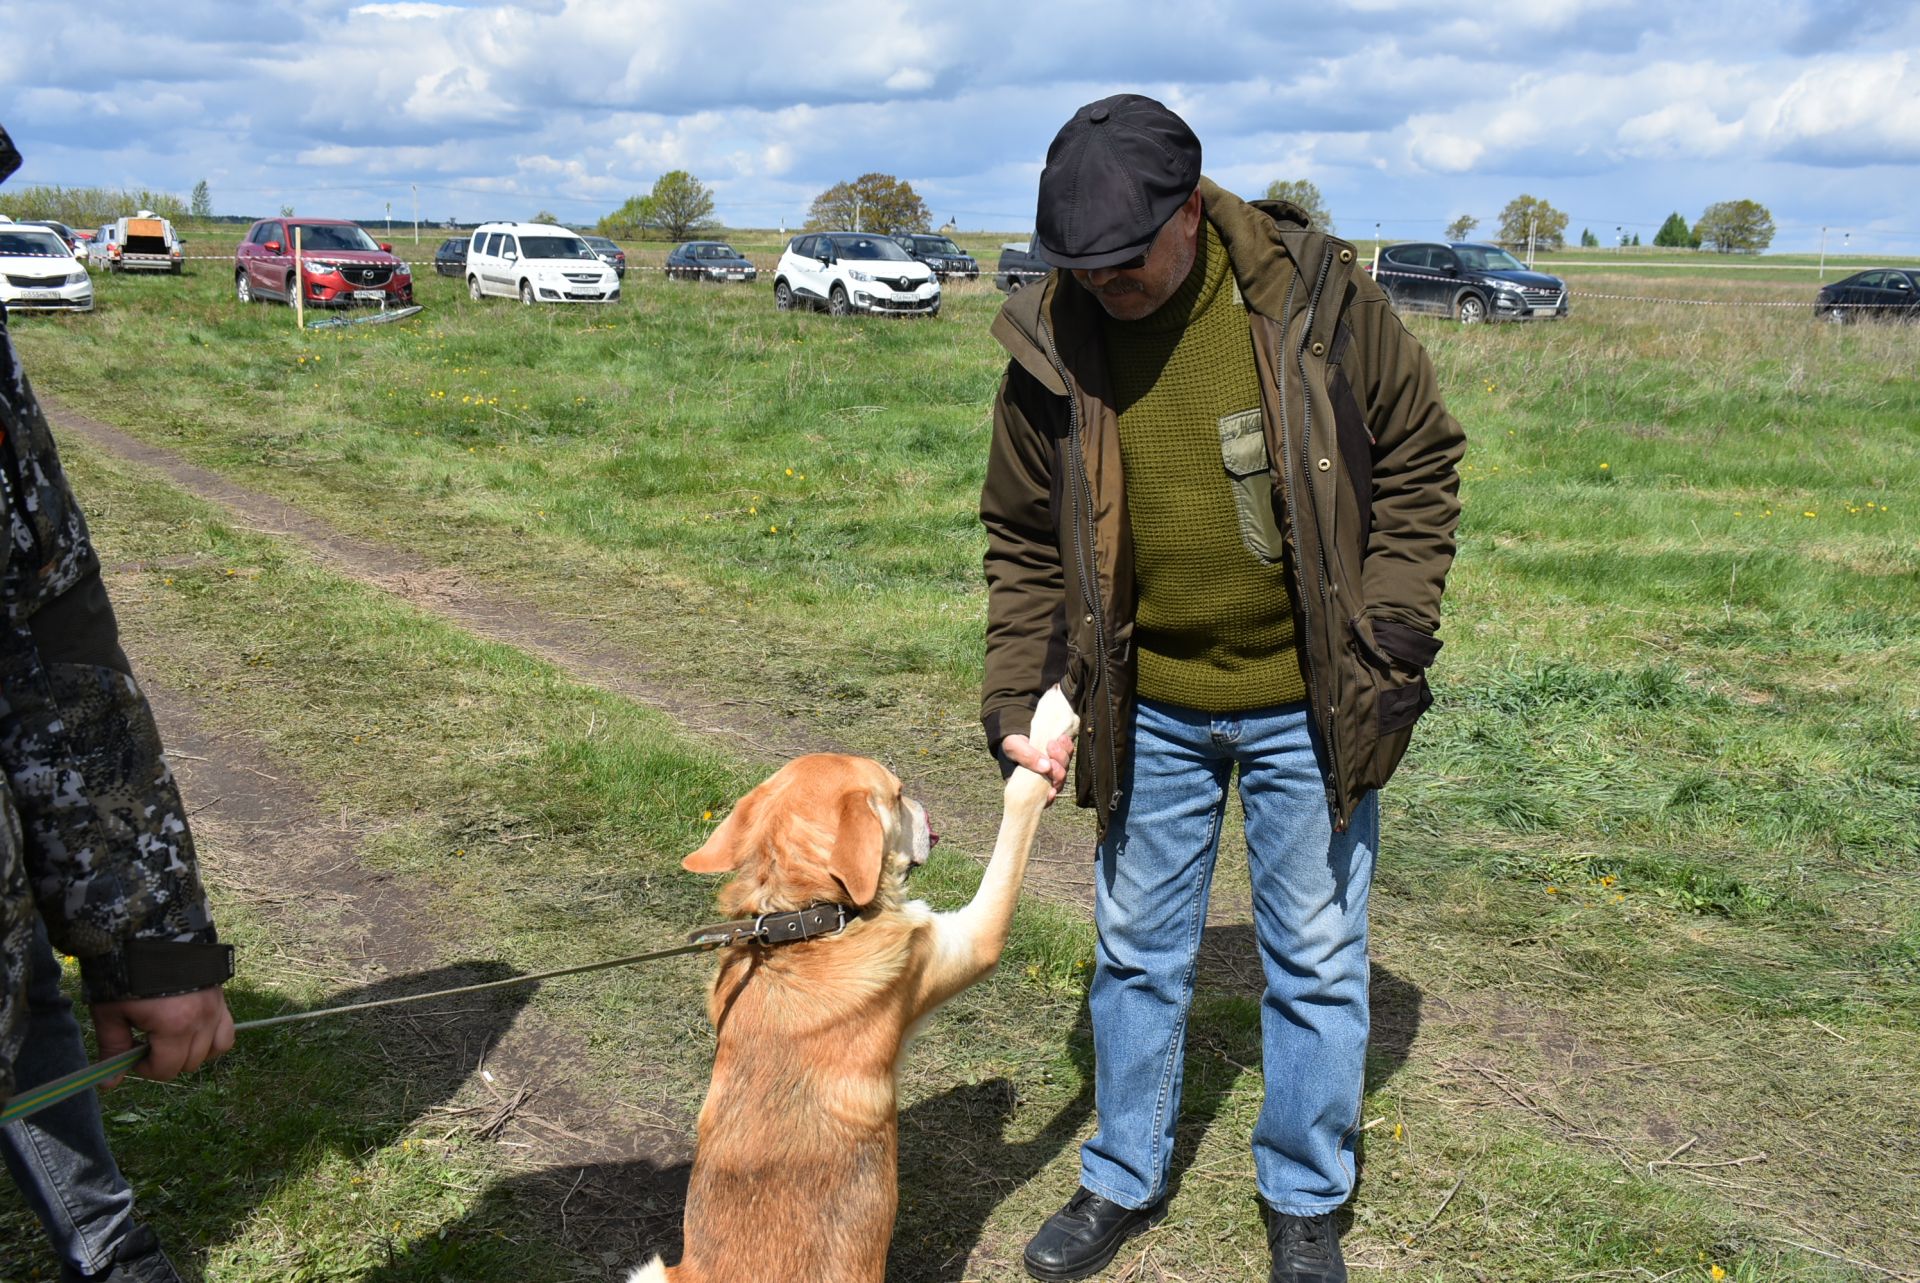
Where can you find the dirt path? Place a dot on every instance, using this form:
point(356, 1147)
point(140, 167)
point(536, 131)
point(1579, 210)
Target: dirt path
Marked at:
point(615, 1165)
point(966, 815)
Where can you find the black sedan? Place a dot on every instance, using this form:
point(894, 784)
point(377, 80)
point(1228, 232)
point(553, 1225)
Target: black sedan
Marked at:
point(709, 261)
point(609, 253)
point(1470, 283)
point(1885, 293)
point(451, 258)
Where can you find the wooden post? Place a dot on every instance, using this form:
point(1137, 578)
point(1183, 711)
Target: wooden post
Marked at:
point(299, 286)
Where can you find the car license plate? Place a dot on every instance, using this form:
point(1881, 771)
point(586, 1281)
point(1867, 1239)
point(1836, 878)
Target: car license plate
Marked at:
point(39, 293)
point(372, 296)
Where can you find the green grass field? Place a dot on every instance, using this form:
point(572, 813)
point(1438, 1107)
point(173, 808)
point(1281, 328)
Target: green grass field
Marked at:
point(1646, 928)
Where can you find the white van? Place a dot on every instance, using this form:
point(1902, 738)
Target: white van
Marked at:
point(537, 263)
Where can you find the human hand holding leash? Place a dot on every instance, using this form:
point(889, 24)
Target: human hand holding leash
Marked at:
point(184, 1031)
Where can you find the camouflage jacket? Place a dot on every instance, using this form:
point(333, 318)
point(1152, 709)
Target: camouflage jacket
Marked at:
point(92, 834)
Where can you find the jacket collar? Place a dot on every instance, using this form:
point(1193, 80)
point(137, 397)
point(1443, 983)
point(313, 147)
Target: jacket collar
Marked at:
point(1268, 243)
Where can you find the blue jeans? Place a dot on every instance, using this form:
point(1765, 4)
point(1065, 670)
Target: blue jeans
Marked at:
point(59, 1156)
point(1310, 918)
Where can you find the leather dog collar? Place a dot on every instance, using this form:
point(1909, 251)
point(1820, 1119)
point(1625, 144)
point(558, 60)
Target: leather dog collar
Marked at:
point(776, 928)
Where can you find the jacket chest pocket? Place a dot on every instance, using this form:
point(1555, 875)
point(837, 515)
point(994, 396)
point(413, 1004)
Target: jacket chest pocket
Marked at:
point(1243, 452)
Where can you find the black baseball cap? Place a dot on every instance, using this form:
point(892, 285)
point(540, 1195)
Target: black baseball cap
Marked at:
point(1115, 174)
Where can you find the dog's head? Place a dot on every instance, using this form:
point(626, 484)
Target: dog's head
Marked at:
point(827, 828)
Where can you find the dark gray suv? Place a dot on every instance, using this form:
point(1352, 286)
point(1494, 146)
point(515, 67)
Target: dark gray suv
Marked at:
point(1470, 283)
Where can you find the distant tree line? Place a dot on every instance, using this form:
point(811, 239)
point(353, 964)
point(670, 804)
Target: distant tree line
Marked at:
point(86, 206)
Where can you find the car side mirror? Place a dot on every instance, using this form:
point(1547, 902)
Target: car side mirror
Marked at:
point(273, 247)
point(512, 256)
point(1452, 269)
point(385, 248)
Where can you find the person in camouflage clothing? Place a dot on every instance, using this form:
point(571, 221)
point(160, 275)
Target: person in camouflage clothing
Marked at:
point(95, 857)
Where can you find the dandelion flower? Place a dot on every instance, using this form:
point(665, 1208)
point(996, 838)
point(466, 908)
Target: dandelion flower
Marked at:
point(706, 815)
point(1605, 467)
point(1716, 1274)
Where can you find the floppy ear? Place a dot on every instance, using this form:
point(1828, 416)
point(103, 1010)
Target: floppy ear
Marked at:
point(720, 853)
point(857, 848)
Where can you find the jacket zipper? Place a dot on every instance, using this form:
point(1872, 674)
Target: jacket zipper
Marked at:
point(1083, 541)
point(1322, 712)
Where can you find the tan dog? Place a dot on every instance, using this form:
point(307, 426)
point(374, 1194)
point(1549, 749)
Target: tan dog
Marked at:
point(794, 1177)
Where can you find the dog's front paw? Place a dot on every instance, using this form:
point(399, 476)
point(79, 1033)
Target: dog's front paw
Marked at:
point(1052, 719)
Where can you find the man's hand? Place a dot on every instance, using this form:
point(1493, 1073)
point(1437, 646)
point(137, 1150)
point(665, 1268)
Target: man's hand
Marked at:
point(1050, 761)
point(184, 1031)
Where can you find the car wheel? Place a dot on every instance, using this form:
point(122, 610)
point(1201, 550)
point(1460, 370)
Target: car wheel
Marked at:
point(473, 289)
point(293, 287)
point(782, 296)
point(526, 293)
point(242, 288)
point(1013, 284)
point(837, 302)
point(1836, 316)
point(1469, 309)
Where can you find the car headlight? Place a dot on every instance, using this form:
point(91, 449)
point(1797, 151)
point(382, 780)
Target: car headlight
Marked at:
point(401, 269)
point(77, 278)
point(859, 275)
point(318, 269)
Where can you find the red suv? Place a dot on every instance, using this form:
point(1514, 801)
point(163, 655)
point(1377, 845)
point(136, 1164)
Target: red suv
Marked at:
point(339, 264)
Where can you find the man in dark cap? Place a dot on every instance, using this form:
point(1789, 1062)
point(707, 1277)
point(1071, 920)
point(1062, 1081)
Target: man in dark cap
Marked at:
point(1220, 508)
point(95, 857)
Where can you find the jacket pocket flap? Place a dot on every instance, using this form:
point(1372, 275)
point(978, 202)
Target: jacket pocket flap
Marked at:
point(1243, 443)
point(1406, 645)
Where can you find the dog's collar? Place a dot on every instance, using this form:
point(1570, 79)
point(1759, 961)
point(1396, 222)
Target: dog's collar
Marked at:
point(776, 928)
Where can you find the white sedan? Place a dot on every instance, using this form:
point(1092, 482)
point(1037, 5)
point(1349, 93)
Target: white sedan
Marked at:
point(38, 271)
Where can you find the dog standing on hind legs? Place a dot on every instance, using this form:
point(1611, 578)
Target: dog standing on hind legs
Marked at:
point(795, 1173)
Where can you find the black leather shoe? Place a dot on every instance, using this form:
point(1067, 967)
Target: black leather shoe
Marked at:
point(1082, 1237)
point(138, 1259)
point(1306, 1249)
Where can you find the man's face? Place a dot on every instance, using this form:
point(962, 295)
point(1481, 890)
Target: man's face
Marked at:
point(1131, 293)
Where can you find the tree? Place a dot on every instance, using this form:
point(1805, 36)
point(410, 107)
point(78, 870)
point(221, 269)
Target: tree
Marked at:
point(1675, 234)
point(202, 200)
point(1636, 240)
point(544, 216)
point(1301, 193)
point(870, 203)
point(1462, 227)
point(1549, 225)
point(286, 211)
point(1735, 227)
point(680, 205)
point(1587, 238)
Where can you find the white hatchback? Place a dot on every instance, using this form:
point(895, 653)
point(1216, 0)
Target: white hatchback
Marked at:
point(38, 271)
point(537, 263)
point(854, 272)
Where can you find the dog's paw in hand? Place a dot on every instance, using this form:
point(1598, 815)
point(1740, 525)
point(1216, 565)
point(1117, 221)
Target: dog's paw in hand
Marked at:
point(1052, 719)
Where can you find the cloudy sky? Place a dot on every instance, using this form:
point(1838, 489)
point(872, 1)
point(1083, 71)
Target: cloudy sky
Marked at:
point(1404, 114)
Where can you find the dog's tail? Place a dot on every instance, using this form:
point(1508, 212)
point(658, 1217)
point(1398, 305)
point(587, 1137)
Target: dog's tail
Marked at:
point(654, 1271)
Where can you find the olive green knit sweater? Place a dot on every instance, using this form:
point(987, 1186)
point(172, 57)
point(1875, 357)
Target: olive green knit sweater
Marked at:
point(1214, 628)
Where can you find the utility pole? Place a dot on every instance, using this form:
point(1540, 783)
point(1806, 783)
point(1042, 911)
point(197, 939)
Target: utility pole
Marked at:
point(1823, 256)
point(1533, 223)
point(856, 213)
point(389, 220)
point(1376, 251)
point(416, 213)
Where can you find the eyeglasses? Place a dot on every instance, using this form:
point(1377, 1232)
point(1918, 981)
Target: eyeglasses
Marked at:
point(1133, 264)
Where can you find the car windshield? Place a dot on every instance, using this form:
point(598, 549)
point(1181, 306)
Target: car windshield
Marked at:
point(1484, 258)
point(38, 243)
point(714, 251)
point(555, 247)
point(937, 245)
point(334, 236)
point(880, 247)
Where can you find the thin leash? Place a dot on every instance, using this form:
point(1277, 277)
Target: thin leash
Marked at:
point(768, 928)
